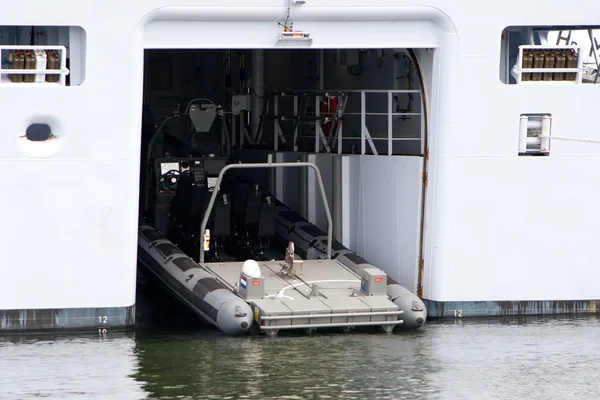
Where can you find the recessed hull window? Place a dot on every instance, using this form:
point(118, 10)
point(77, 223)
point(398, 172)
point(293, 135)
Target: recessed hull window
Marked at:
point(550, 55)
point(42, 55)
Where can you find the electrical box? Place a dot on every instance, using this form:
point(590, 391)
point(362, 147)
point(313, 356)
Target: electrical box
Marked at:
point(251, 288)
point(373, 282)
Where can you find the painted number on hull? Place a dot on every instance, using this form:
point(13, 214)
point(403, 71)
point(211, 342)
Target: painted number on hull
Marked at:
point(458, 313)
point(102, 331)
point(103, 319)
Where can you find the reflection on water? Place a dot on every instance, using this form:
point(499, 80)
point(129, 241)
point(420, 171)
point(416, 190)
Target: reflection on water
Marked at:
point(354, 366)
point(498, 359)
point(69, 367)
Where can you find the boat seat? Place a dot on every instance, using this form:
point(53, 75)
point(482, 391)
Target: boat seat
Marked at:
point(221, 219)
point(253, 208)
point(229, 185)
point(181, 203)
point(199, 194)
point(239, 201)
point(266, 220)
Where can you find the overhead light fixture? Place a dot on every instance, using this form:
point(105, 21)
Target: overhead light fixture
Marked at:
point(294, 39)
point(289, 37)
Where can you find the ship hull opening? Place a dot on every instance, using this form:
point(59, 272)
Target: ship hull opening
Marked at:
point(355, 114)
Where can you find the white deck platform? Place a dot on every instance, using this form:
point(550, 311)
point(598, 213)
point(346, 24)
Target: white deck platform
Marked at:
point(282, 303)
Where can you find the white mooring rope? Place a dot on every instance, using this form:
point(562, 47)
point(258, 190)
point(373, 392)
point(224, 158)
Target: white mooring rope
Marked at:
point(582, 140)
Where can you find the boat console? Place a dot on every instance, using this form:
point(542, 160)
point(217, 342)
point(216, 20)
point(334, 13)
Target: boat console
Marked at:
point(186, 176)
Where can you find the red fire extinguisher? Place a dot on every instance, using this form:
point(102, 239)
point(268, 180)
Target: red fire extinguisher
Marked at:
point(329, 107)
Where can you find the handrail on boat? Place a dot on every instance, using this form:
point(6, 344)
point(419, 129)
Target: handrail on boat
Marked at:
point(269, 164)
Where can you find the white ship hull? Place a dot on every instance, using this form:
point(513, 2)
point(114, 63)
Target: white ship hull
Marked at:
point(464, 221)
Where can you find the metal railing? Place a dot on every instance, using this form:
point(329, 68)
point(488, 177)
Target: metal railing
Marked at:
point(313, 325)
point(41, 63)
point(524, 74)
point(332, 143)
point(269, 164)
point(365, 134)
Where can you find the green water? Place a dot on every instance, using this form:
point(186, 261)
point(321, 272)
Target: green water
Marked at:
point(535, 358)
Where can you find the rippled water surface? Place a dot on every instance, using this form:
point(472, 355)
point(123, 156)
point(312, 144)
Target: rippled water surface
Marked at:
point(497, 359)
